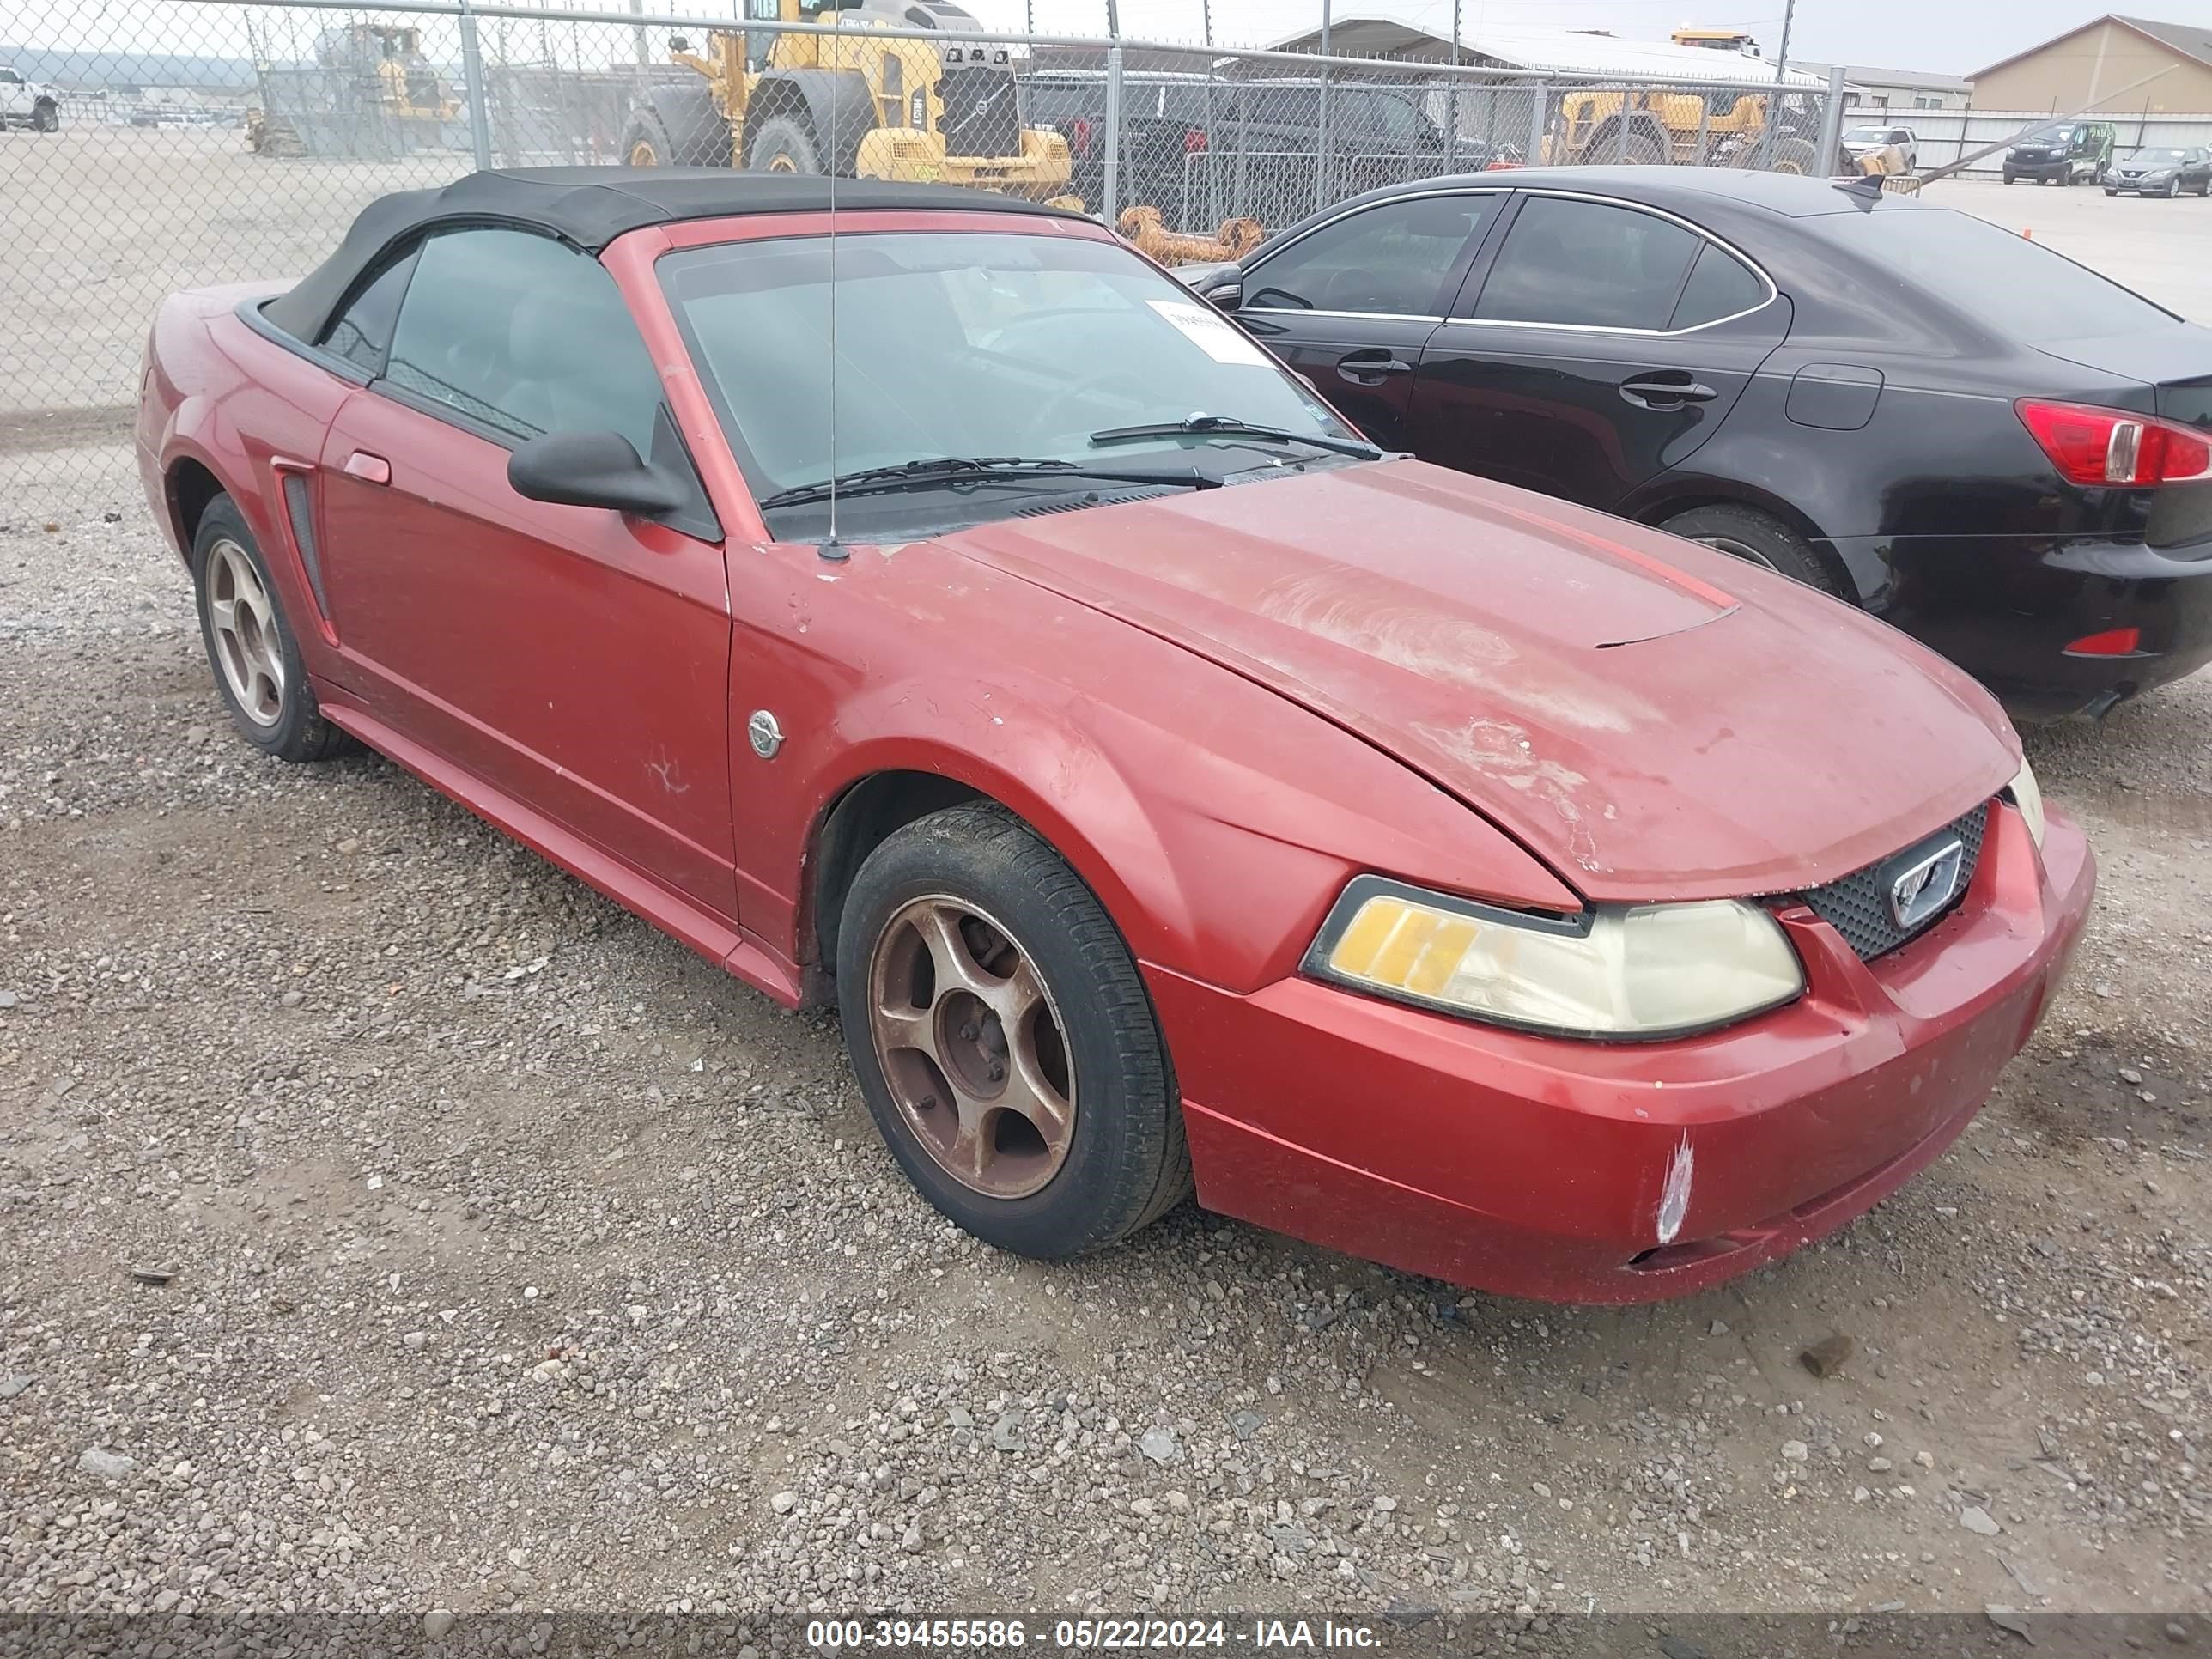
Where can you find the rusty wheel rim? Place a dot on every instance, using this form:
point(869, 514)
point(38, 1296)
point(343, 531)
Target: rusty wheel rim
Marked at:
point(781, 162)
point(971, 1048)
point(641, 154)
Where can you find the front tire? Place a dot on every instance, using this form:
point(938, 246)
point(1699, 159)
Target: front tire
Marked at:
point(2172, 188)
point(46, 117)
point(249, 645)
point(1757, 538)
point(1004, 1040)
point(783, 143)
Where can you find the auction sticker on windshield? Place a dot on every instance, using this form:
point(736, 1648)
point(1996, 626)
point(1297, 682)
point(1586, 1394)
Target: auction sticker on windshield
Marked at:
point(1212, 332)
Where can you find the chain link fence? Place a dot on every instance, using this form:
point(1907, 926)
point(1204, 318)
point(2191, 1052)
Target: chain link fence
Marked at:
point(153, 145)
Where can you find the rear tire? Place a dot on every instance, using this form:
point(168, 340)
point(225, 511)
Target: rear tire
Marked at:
point(645, 142)
point(1757, 538)
point(783, 143)
point(251, 645)
point(1794, 156)
point(1021, 916)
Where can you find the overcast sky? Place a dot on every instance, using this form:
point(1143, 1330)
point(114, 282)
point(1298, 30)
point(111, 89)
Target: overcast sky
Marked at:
point(1947, 36)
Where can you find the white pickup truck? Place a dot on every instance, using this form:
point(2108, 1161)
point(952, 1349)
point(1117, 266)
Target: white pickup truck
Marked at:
point(28, 103)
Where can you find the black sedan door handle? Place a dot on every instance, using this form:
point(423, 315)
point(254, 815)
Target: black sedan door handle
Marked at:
point(1666, 389)
point(1368, 368)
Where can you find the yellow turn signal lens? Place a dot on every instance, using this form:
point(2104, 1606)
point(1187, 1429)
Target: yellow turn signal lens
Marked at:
point(1635, 971)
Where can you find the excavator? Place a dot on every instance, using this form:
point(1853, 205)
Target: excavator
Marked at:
point(861, 104)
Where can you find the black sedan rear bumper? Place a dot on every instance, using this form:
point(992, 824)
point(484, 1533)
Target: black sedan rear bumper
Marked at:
point(2011, 611)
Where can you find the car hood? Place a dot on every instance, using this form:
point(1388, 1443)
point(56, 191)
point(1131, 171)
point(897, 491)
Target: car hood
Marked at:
point(1654, 720)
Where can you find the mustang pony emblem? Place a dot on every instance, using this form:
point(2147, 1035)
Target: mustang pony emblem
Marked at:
point(1927, 885)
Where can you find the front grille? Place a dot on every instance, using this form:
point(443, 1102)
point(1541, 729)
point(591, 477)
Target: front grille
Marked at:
point(1857, 907)
point(982, 115)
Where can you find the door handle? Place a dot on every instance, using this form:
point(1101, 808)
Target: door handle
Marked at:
point(1667, 388)
point(369, 469)
point(1368, 368)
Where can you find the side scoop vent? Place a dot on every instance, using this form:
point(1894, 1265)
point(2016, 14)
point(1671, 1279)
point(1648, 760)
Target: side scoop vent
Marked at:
point(299, 508)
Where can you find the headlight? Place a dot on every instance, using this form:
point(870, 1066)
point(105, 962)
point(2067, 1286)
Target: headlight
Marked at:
point(1644, 970)
point(2026, 793)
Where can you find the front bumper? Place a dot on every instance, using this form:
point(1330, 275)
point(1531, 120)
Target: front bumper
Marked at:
point(1534, 1166)
point(2136, 186)
point(2006, 608)
point(2036, 169)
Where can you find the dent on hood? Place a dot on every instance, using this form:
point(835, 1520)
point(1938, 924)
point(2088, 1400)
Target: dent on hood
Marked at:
point(1505, 754)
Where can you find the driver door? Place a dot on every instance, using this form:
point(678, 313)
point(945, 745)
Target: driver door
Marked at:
point(574, 658)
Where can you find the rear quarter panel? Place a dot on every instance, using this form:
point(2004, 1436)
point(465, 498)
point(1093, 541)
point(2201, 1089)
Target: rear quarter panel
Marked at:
point(223, 397)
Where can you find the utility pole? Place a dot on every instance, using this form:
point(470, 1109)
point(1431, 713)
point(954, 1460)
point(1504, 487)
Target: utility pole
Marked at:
point(1781, 57)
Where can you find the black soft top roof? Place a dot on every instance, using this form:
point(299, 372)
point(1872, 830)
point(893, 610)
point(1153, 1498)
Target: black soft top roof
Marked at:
point(588, 207)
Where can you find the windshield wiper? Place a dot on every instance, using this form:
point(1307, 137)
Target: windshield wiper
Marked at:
point(1228, 426)
point(979, 469)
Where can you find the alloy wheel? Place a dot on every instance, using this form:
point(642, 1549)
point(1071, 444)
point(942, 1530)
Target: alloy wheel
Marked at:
point(971, 1048)
point(242, 621)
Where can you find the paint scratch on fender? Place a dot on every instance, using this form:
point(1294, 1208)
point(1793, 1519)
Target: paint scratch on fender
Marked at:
point(1675, 1197)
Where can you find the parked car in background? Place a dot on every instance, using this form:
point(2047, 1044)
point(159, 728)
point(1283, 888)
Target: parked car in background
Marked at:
point(1423, 868)
point(28, 103)
point(2167, 172)
point(1866, 140)
point(2069, 153)
point(2004, 454)
point(1202, 150)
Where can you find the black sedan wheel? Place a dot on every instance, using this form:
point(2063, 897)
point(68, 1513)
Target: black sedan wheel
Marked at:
point(1756, 538)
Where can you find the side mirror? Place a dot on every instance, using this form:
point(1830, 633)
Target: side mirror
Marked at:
point(1221, 285)
point(592, 469)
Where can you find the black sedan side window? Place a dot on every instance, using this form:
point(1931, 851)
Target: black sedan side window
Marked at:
point(523, 336)
point(1569, 263)
point(1720, 285)
point(1390, 260)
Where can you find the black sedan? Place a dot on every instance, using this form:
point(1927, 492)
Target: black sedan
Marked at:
point(1992, 447)
point(2167, 172)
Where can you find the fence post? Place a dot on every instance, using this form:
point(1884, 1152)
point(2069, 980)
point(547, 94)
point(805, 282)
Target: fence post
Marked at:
point(1704, 122)
point(1540, 94)
point(1831, 125)
point(472, 69)
point(1113, 180)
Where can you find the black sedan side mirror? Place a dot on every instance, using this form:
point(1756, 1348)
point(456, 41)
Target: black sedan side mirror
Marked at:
point(592, 469)
point(1221, 286)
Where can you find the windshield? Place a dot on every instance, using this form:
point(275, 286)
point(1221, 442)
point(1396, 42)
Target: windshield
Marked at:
point(2168, 155)
point(1867, 136)
point(2019, 288)
point(969, 344)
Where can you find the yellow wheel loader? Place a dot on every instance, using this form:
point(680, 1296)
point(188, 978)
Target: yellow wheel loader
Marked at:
point(1728, 128)
point(861, 104)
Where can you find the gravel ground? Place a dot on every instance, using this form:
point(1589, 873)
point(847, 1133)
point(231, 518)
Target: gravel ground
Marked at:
point(390, 1222)
point(387, 1222)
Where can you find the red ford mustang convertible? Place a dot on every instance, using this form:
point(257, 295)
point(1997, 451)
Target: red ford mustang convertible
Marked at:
point(1168, 787)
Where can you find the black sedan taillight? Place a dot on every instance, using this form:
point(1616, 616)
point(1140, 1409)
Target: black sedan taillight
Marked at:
point(2093, 445)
